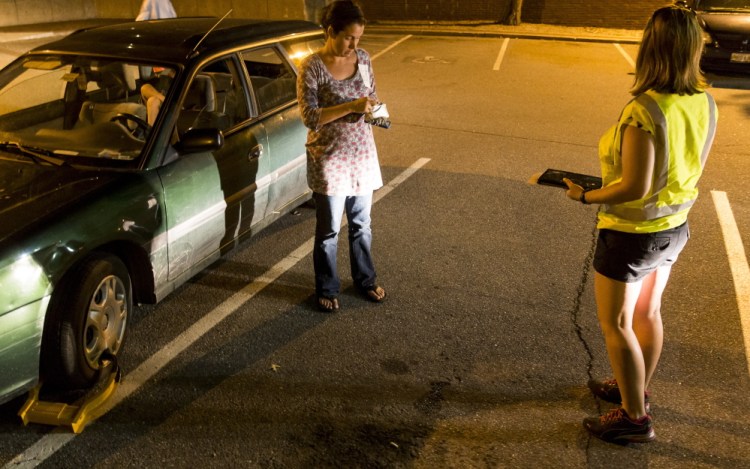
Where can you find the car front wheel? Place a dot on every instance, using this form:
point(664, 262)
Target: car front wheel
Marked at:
point(88, 315)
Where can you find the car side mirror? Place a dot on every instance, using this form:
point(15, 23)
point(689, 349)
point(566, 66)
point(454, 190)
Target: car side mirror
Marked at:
point(200, 140)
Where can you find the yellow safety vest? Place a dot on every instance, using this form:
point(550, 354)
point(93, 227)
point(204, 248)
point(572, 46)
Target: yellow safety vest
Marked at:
point(683, 129)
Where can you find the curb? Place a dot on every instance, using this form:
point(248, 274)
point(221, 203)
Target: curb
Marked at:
point(49, 30)
point(28, 36)
point(505, 33)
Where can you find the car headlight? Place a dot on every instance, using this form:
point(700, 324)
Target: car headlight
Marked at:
point(21, 282)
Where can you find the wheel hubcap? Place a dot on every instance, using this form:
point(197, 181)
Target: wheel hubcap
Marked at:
point(107, 317)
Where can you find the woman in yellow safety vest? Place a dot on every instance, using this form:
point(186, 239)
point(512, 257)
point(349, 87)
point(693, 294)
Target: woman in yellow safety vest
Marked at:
point(651, 161)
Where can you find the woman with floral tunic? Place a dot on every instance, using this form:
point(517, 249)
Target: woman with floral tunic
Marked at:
point(335, 88)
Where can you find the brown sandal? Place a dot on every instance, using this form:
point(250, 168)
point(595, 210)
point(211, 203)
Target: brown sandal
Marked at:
point(328, 304)
point(375, 293)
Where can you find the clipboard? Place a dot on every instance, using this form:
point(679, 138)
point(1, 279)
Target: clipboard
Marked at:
point(554, 177)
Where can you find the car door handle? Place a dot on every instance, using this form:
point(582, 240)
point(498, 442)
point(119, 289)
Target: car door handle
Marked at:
point(255, 153)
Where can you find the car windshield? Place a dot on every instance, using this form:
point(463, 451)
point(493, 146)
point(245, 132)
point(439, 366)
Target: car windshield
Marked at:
point(73, 106)
point(724, 5)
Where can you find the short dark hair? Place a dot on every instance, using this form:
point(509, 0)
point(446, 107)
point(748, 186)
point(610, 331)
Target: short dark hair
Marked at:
point(669, 57)
point(340, 14)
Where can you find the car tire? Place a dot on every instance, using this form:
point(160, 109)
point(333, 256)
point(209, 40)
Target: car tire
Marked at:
point(88, 314)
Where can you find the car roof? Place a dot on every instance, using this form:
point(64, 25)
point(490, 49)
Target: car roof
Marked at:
point(172, 40)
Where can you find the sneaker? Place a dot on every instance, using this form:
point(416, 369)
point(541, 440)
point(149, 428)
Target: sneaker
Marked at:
point(609, 391)
point(617, 427)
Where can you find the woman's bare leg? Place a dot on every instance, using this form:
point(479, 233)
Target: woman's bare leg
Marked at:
point(616, 302)
point(647, 322)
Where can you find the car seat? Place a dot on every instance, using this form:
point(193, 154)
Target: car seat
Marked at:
point(116, 80)
point(199, 106)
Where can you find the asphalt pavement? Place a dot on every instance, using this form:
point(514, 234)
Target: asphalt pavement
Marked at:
point(480, 355)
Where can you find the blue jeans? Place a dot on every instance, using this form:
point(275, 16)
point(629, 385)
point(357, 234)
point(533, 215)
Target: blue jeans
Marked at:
point(329, 210)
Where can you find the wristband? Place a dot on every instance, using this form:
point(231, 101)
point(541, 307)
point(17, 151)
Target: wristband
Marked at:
point(582, 197)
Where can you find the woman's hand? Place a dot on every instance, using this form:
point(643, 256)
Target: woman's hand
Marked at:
point(358, 106)
point(363, 105)
point(574, 190)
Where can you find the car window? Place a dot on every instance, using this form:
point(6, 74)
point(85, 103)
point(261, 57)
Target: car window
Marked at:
point(215, 98)
point(298, 49)
point(52, 88)
point(75, 106)
point(271, 77)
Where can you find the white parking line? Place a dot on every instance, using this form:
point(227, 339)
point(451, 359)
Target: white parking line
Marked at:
point(625, 54)
point(390, 47)
point(500, 56)
point(737, 264)
point(53, 441)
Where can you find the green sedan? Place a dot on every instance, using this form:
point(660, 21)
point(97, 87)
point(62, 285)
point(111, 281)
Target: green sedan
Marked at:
point(133, 156)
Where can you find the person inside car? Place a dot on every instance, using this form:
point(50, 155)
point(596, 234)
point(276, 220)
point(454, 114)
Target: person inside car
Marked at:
point(154, 90)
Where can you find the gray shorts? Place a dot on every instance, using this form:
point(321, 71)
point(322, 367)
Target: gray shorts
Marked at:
point(629, 257)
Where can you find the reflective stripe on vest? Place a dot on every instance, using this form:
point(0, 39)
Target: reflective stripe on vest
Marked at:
point(650, 210)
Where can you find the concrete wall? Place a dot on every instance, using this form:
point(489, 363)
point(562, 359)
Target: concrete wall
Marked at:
point(19, 12)
point(597, 13)
point(438, 10)
point(15, 12)
point(630, 14)
point(276, 9)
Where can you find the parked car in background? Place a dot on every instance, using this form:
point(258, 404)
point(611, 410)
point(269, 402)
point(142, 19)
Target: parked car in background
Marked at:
point(100, 210)
point(726, 25)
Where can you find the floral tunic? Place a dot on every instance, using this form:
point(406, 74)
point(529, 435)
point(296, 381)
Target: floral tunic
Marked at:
point(341, 156)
